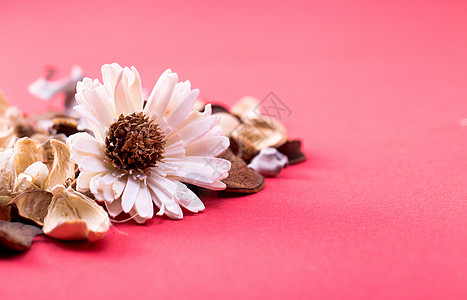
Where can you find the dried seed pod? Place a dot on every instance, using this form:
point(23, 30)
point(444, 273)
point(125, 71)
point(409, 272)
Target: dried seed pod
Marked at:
point(269, 162)
point(73, 216)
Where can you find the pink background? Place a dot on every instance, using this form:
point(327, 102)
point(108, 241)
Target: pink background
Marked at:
point(377, 92)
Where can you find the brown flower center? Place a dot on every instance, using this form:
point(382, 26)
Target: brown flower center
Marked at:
point(134, 143)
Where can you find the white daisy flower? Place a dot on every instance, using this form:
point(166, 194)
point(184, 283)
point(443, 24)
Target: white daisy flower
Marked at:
point(142, 152)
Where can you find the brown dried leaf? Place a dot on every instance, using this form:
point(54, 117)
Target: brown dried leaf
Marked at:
point(33, 205)
point(26, 153)
point(5, 209)
point(17, 236)
point(73, 216)
point(62, 167)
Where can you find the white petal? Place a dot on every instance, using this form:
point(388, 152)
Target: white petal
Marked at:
point(123, 102)
point(94, 124)
point(129, 194)
point(183, 109)
point(114, 208)
point(161, 94)
point(83, 180)
point(110, 75)
point(187, 199)
point(143, 203)
point(134, 87)
point(159, 196)
point(208, 146)
point(84, 144)
point(179, 93)
point(92, 164)
point(175, 150)
point(197, 129)
point(198, 170)
point(119, 186)
point(98, 101)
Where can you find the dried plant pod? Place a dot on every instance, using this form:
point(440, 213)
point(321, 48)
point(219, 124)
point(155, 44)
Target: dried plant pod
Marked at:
point(241, 179)
point(73, 216)
point(228, 123)
point(26, 153)
point(62, 167)
point(7, 172)
point(33, 205)
point(17, 236)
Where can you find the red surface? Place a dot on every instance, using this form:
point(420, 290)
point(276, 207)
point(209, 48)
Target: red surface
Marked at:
point(377, 92)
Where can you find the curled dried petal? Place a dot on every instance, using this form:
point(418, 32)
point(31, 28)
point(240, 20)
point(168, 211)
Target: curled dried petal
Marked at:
point(73, 216)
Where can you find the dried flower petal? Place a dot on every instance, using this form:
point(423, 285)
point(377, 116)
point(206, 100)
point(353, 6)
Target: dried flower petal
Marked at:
point(26, 153)
point(33, 205)
point(73, 216)
point(7, 172)
point(62, 167)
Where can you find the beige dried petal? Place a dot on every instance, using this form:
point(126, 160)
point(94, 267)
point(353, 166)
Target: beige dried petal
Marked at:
point(73, 216)
point(62, 167)
point(24, 183)
point(7, 172)
point(33, 205)
point(26, 153)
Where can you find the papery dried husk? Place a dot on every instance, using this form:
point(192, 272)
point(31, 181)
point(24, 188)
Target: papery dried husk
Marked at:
point(26, 152)
point(33, 205)
point(73, 216)
point(7, 172)
point(62, 167)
